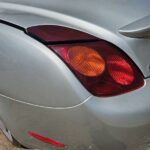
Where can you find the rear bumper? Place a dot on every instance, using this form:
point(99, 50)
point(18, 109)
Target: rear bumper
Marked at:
point(120, 123)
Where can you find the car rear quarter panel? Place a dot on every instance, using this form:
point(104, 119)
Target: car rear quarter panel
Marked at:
point(32, 73)
point(122, 122)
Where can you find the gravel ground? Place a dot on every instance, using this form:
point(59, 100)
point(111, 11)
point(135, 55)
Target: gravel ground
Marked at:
point(5, 144)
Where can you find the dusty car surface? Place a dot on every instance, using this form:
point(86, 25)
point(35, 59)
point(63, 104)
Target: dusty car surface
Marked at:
point(74, 74)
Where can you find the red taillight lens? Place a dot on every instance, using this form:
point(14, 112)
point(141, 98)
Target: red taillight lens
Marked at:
point(120, 70)
point(101, 67)
point(55, 34)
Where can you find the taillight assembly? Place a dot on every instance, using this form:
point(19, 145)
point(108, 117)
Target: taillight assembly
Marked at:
point(104, 69)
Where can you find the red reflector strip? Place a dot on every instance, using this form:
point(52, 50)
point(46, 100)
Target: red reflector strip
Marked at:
point(46, 140)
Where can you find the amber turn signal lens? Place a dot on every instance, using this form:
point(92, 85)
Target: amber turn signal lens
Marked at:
point(86, 61)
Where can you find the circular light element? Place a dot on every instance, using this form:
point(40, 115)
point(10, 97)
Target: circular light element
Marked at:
point(86, 61)
point(120, 70)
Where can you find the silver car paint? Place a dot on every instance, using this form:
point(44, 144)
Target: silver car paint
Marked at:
point(27, 67)
point(32, 100)
point(120, 123)
point(137, 29)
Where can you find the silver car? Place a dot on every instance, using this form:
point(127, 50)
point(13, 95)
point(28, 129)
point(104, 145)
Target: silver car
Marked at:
point(74, 74)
